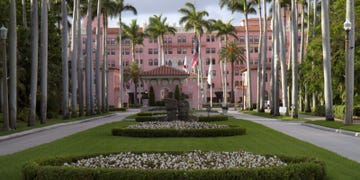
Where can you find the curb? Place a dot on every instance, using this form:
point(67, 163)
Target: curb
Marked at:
point(340, 131)
point(23, 133)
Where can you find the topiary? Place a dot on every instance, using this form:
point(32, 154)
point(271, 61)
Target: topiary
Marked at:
point(151, 97)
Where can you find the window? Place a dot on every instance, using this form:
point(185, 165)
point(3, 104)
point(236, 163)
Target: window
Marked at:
point(156, 51)
point(179, 51)
point(184, 51)
point(150, 62)
point(222, 38)
point(181, 39)
point(126, 63)
point(213, 73)
point(141, 61)
point(251, 40)
point(150, 51)
point(256, 39)
point(127, 51)
point(112, 52)
point(112, 63)
point(266, 78)
point(236, 83)
point(213, 50)
point(207, 61)
point(156, 62)
point(207, 38)
point(212, 38)
point(237, 73)
point(256, 50)
point(213, 61)
point(168, 51)
point(207, 50)
point(270, 49)
point(242, 39)
point(269, 37)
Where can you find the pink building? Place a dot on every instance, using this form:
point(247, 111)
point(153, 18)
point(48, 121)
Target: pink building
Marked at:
point(178, 47)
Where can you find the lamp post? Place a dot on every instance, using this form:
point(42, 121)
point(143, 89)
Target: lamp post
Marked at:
point(3, 35)
point(349, 87)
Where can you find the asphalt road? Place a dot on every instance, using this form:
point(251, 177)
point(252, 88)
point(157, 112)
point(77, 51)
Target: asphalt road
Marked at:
point(21, 141)
point(344, 145)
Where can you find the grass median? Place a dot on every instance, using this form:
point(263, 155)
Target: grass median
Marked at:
point(259, 139)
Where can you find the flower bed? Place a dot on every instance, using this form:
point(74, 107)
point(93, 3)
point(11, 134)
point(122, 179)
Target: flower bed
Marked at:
point(176, 165)
point(213, 118)
point(178, 129)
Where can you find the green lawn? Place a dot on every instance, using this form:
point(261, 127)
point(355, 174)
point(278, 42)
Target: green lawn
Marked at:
point(336, 125)
point(22, 126)
point(268, 115)
point(259, 139)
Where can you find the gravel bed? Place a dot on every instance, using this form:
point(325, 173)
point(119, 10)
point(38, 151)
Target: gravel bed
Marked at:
point(175, 125)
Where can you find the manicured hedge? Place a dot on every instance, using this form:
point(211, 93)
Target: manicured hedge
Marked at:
point(339, 111)
point(231, 131)
point(319, 110)
point(149, 113)
point(212, 118)
point(148, 118)
point(297, 168)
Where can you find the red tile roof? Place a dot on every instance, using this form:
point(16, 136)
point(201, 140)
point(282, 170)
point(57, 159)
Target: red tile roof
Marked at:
point(165, 71)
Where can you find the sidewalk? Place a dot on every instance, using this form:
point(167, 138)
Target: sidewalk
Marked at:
point(344, 145)
point(23, 140)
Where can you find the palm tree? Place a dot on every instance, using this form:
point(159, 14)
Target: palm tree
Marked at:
point(79, 61)
point(158, 27)
point(328, 95)
point(133, 33)
point(233, 53)
point(260, 54)
point(107, 9)
point(12, 63)
point(65, 70)
point(294, 62)
point(194, 20)
point(74, 50)
point(34, 60)
point(88, 66)
point(121, 7)
point(133, 73)
point(245, 7)
point(44, 59)
point(97, 71)
point(226, 30)
point(263, 61)
point(24, 19)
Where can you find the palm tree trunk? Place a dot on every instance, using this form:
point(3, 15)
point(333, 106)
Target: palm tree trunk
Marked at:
point(97, 72)
point(104, 66)
point(276, 63)
point(263, 62)
point(232, 82)
point(294, 46)
point(12, 63)
point(160, 51)
point(79, 61)
point(249, 89)
point(34, 60)
point(258, 78)
point(121, 66)
point(74, 62)
point(326, 60)
point(44, 59)
point(65, 70)
point(24, 19)
point(271, 97)
point(302, 52)
point(306, 95)
point(88, 60)
point(282, 56)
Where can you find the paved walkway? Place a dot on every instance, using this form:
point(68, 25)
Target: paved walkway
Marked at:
point(345, 145)
point(27, 139)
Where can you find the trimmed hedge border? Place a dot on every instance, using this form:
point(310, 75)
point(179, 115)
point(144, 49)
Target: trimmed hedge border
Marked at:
point(150, 113)
point(297, 168)
point(148, 118)
point(231, 131)
point(213, 118)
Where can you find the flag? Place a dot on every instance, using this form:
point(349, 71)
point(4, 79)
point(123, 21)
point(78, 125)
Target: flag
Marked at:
point(209, 74)
point(185, 65)
point(195, 58)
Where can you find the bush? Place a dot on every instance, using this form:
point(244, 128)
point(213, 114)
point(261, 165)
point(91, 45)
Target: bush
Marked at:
point(339, 111)
point(319, 110)
point(160, 103)
point(231, 131)
point(212, 118)
point(113, 108)
point(356, 111)
point(151, 97)
point(147, 118)
point(297, 168)
point(149, 113)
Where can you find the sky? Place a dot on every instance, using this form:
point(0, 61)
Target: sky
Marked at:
point(169, 9)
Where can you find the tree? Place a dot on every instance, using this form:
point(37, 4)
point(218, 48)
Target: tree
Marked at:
point(132, 73)
point(97, 71)
point(177, 93)
point(121, 7)
point(44, 60)
point(157, 28)
point(194, 20)
point(88, 66)
point(260, 54)
point(80, 61)
point(151, 96)
point(328, 94)
point(34, 60)
point(65, 70)
point(133, 33)
point(12, 66)
point(74, 50)
point(294, 62)
point(225, 29)
point(233, 53)
point(245, 7)
point(263, 60)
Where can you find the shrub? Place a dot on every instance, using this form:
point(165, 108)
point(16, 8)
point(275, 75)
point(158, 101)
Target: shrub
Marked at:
point(177, 93)
point(356, 111)
point(212, 118)
point(231, 131)
point(149, 113)
point(113, 108)
point(148, 118)
point(160, 103)
point(297, 168)
point(151, 97)
point(339, 111)
point(319, 110)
